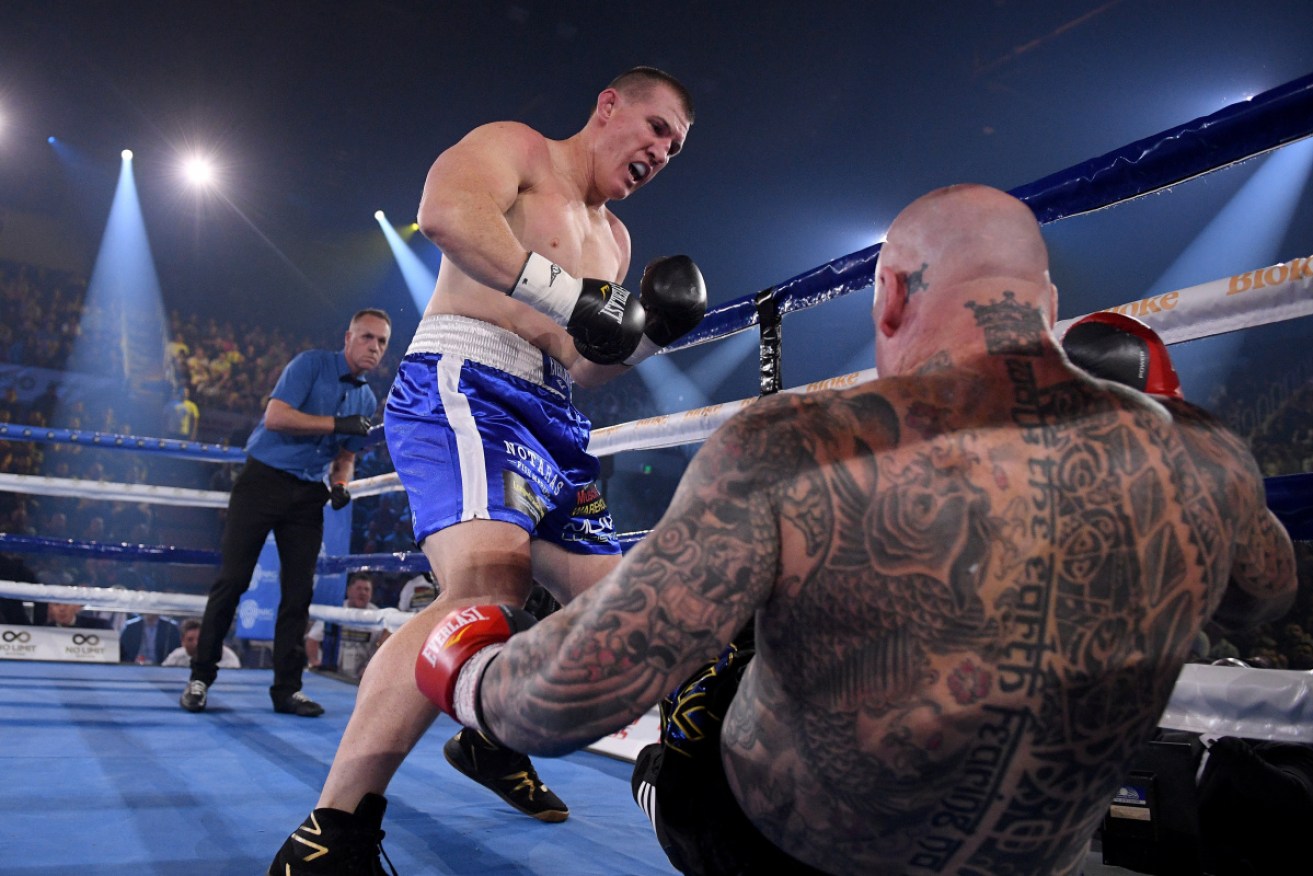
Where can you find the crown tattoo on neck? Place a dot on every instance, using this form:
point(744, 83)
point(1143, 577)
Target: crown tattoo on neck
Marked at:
point(1011, 328)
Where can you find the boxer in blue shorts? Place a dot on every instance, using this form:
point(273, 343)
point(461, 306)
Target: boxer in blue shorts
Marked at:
point(480, 426)
point(460, 457)
point(972, 584)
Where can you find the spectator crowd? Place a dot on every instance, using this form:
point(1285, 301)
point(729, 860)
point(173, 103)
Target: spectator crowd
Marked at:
point(220, 372)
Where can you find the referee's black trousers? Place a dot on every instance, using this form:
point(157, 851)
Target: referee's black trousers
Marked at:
point(263, 500)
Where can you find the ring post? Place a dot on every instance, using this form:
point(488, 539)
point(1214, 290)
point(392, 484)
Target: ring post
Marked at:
point(771, 327)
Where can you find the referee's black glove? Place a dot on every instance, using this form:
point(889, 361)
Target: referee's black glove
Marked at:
point(356, 424)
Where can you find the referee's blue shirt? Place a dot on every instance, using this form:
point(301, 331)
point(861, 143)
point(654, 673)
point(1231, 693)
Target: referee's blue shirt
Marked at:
point(315, 382)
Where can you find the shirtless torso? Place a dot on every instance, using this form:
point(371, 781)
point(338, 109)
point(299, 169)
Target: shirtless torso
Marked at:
point(492, 202)
point(548, 215)
point(1034, 552)
point(974, 580)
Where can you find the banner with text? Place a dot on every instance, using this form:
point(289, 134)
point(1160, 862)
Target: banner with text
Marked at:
point(59, 643)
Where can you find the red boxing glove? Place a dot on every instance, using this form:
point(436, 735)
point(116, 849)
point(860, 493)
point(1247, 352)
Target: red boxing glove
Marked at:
point(451, 663)
point(1118, 347)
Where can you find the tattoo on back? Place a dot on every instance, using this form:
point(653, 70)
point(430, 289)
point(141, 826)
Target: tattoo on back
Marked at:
point(976, 588)
point(998, 589)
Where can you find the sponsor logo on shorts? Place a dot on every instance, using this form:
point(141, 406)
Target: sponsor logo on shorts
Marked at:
point(556, 376)
point(589, 531)
point(533, 466)
point(518, 495)
point(588, 502)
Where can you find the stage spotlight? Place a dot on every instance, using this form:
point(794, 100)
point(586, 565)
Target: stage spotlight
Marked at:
point(122, 328)
point(419, 279)
point(51, 140)
point(127, 154)
point(1246, 233)
point(199, 171)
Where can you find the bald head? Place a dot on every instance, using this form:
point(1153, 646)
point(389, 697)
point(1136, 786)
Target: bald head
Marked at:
point(946, 247)
point(967, 232)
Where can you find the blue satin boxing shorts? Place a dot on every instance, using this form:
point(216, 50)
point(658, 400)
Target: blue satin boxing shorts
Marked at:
point(480, 426)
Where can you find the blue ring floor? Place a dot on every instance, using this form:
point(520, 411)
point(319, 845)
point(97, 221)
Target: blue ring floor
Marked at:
point(104, 773)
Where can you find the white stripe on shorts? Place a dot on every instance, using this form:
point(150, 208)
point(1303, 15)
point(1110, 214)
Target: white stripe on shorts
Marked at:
point(469, 446)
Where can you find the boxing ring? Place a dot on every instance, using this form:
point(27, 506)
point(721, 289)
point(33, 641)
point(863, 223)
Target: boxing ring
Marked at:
point(103, 758)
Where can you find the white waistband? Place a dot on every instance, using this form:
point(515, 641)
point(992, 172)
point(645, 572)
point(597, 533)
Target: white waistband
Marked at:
point(490, 345)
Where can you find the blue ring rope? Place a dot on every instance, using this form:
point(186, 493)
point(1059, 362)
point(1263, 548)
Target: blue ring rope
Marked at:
point(196, 451)
point(1238, 132)
point(1233, 134)
point(1289, 496)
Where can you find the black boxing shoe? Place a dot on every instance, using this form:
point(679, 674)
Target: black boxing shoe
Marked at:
point(331, 842)
point(508, 774)
point(298, 704)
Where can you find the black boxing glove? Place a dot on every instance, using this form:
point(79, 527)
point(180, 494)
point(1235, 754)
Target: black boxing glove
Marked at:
point(339, 497)
point(674, 300)
point(1121, 348)
point(356, 424)
point(604, 319)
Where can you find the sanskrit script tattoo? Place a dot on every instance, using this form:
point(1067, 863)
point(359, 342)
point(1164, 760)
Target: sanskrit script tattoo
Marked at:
point(974, 588)
point(989, 618)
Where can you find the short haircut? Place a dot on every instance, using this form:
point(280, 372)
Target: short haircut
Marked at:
point(639, 81)
point(359, 576)
point(190, 624)
point(372, 311)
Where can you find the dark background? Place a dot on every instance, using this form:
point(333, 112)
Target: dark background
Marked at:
point(815, 124)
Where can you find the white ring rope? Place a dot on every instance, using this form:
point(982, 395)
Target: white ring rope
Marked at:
point(690, 427)
point(1220, 700)
point(1254, 298)
point(41, 485)
point(156, 602)
point(1253, 703)
point(1241, 701)
point(1260, 297)
point(374, 486)
point(1246, 300)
